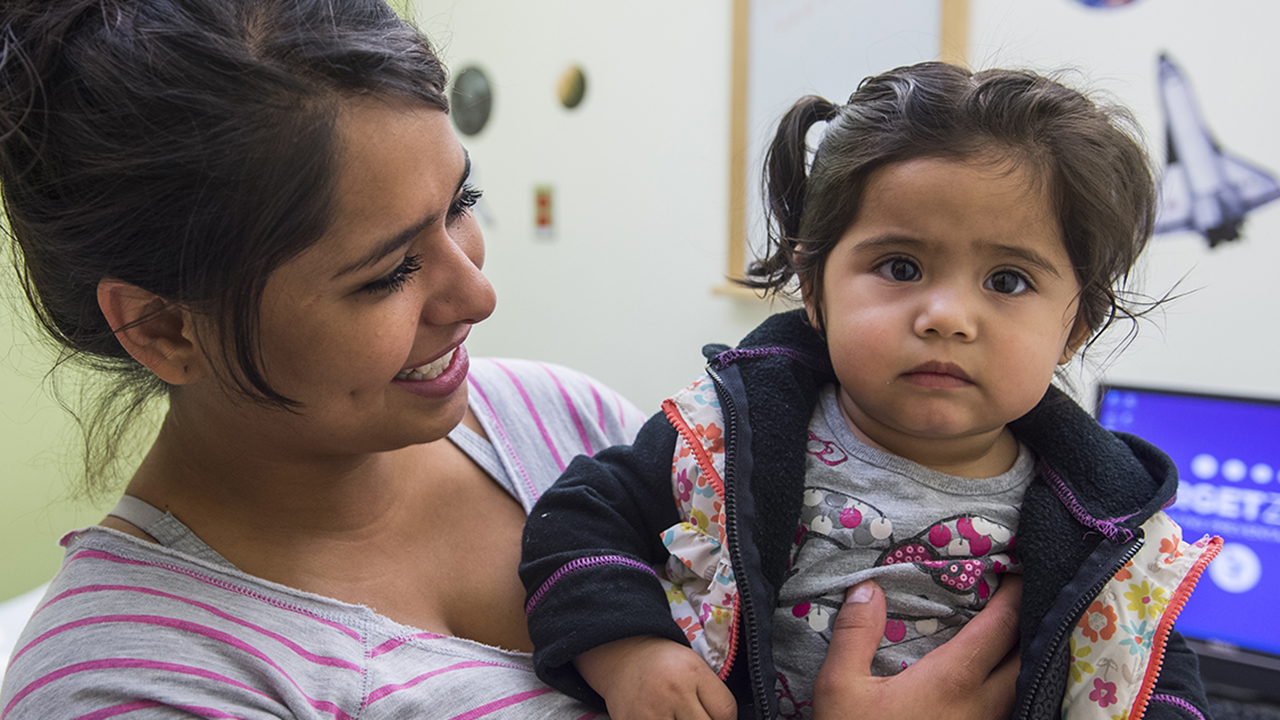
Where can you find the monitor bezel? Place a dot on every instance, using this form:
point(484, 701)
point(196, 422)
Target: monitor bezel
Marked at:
point(1227, 669)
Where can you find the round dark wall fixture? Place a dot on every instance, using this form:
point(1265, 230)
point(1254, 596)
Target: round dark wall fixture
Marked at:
point(472, 100)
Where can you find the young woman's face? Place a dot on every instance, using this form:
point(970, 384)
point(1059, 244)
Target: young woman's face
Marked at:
point(948, 302)
point(366, 327)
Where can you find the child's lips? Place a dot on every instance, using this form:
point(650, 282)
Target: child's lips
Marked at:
point(936, 374)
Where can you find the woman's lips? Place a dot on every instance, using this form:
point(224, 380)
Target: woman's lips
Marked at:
point(439, 378)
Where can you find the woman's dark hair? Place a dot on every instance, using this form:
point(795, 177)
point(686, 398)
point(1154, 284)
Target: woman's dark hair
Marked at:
point(183, 146)
point(1097, 173)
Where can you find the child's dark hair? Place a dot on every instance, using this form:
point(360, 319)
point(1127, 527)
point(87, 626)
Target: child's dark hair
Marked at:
point(1097, 173)
point(183, 146)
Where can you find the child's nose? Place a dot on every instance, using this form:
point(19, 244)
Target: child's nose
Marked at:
point(948, 313)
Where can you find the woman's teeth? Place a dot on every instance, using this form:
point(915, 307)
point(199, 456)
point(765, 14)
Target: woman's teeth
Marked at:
point(430, 371)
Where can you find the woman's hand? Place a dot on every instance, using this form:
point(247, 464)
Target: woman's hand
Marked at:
point(652, 678)
point(970, 677)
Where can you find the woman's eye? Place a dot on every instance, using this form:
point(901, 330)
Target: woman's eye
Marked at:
point(466, 200)
point(1008, 282)
point(395, 279)
point(899, 269)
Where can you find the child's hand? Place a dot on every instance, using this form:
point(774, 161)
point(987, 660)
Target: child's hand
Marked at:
point(652, 678)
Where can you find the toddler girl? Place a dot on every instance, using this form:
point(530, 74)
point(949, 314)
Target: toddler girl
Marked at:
point(958, 238)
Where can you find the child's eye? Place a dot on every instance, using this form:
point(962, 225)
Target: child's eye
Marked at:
point(395, 279)
point(1008, 282)
point(899, 269)
point(466, 200)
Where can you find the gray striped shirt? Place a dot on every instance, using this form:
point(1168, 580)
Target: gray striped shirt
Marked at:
point(137, 630)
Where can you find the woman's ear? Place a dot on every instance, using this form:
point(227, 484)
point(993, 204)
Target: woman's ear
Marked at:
point(158, 334)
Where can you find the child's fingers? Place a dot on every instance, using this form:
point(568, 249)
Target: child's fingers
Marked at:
point(715, 698)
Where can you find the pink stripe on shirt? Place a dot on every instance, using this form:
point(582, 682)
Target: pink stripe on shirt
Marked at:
point(573, 412)
point(497, 705)
point(194, 628)
point(122, 663)
point(595, 395)
point(533, 412)
point(506, 440)
point(296, 648)
point(197, 710)
point(101, 555)
point(386, 690)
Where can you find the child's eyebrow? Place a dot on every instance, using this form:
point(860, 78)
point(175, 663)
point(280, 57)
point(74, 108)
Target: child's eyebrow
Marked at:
point(889, 241)
point(1027, 255)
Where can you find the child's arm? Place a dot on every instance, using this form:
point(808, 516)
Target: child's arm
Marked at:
point(590, 545)
point(651, 678)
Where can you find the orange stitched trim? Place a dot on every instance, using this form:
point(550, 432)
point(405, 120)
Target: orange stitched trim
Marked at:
point(1172, 610)
point(695, 444)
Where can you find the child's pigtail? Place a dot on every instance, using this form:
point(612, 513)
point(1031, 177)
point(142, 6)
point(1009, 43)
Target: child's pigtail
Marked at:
point(785, 185)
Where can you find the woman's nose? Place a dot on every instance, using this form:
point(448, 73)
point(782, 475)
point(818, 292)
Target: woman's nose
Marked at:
point(456, 291)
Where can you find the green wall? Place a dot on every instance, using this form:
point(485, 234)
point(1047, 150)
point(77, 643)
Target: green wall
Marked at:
point(39, 451)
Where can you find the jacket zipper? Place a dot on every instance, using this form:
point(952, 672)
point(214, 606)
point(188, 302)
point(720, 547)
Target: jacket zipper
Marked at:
point(745, 604)
point(1076, 610)
point(1161, 636)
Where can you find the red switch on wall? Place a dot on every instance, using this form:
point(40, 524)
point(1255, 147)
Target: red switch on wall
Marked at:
point(543, 217)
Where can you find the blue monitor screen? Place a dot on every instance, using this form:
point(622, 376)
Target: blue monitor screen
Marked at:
point(1228, 455)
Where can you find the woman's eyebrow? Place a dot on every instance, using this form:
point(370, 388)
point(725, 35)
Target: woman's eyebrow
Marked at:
point(405, 236)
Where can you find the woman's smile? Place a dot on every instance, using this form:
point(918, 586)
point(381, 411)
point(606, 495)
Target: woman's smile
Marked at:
point(439, 378)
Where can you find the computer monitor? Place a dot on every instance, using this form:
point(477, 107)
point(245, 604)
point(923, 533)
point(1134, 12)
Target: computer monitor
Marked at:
point(1227, 450)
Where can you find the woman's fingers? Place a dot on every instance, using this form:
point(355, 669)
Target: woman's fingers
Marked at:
point(989, 641)
point(972, 675)
point(856, 633)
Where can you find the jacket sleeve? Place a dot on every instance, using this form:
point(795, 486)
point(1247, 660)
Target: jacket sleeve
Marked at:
point(591, 545)
point(1179, 692)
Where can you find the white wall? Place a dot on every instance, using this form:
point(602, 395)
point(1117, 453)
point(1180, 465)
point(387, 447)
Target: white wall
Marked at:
point(640, 171)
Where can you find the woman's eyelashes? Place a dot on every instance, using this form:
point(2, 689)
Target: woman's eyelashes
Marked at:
point(467, 199)
point(397, 278)
point(411, 264)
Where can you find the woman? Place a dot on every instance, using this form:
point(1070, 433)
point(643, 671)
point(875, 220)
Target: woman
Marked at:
point(258, 208)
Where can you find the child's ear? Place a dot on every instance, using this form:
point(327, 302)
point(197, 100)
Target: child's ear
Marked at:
point(811, 309)
point(1080, 333)
point(157, 333)
point(811, 306)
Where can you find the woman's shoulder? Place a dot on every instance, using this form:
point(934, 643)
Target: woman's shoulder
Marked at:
point(556, 399)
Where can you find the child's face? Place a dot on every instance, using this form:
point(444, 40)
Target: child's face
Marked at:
point(948, 303)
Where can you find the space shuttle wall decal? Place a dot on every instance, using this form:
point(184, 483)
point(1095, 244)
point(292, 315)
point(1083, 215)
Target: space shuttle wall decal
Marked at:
point(1204, 189)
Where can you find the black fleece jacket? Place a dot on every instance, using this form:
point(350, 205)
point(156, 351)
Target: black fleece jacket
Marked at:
point(607, 513)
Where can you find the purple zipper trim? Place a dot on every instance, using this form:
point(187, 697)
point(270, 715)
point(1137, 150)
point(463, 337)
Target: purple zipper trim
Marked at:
point(585, 563)
point(1178, 703)
point(728, 357)
point(1113, 532)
